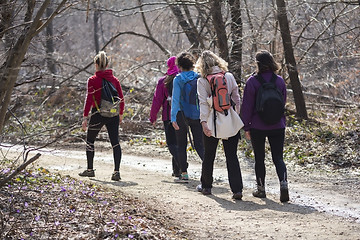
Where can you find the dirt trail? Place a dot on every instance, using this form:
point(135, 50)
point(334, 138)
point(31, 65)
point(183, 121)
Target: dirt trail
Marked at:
point(319, 208)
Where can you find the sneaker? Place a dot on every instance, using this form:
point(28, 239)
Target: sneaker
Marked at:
point(184, 178)
point(176, 174)
point(87, 173)
point(284, 191)
point(116, 176)
point(199, 188)
point(237, 196)
point(259, 192)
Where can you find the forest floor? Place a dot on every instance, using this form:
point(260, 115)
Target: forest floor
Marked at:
point(324, 204)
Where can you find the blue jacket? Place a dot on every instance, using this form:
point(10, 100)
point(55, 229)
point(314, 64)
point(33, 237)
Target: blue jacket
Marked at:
point(178, 84)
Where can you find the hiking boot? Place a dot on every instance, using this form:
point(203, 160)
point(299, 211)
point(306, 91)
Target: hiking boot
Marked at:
point(259, 192)
point(284, 191)
point(237, 196)
point(87, 173)
point(116, 176)
point(204, 191)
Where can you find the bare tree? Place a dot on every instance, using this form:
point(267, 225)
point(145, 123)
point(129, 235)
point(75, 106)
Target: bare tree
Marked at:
point(236, 32)
point(15, 55)
point(290, 60)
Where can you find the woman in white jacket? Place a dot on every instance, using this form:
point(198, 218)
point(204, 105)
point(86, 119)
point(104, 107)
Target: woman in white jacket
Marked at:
point(207, 65)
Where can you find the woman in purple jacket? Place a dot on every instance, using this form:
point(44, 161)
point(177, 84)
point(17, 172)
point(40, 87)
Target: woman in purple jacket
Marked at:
point(162, 98)
point(257, 130)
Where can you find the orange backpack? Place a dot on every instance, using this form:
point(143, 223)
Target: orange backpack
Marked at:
point(219, 92)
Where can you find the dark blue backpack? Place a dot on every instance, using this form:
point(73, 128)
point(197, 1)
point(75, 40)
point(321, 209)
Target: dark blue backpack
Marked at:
point(269, 101)
point(190, 104)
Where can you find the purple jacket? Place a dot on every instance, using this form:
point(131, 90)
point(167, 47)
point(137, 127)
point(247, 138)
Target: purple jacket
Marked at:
point(160, 100)
point(248, 113)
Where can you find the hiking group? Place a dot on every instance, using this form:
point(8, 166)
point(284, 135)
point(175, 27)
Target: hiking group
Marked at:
point(202, 97)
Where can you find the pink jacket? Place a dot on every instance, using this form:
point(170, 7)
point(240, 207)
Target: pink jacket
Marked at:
point(160, 100)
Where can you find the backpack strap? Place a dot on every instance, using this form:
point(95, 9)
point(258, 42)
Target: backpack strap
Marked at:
point(96, 105)
point(273, 78)
point(260, 78)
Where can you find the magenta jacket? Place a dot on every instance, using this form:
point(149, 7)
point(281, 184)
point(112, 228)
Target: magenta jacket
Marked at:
point(160, 100)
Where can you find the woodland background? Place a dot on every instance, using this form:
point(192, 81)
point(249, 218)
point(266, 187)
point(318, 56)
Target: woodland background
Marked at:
point(47, 50)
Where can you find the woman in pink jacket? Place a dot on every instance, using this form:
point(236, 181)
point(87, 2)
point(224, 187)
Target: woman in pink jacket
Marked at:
point(162, 98)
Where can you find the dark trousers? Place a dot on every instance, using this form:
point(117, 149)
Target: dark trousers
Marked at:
point(170, 137)
point(232, 162)
point(94, 127)
point(276, 141)
point(181, 139)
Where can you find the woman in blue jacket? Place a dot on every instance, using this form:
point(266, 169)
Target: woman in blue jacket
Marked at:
point(181, 117)
point(257, 130)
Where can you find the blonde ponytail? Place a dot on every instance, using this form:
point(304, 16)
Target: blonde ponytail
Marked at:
point(101, 60)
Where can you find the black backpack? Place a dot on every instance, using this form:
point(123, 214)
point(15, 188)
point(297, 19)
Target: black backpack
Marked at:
point(110, 101)
point(269, 101)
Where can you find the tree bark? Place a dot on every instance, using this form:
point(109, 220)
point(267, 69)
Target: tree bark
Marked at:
point(219, 26)
point(290, 60)
point(96, 29)
point(189, 32)
point(50, 49)
point(236, 30)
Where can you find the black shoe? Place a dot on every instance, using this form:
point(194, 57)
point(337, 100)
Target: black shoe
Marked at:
point(284, 192)
point(87, 173)
point(237, 196)
point(116, 176)
point(259, 192)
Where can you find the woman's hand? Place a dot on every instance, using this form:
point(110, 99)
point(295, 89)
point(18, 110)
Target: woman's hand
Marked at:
point(84, 124)
point(120, 118)
point(247, 135)
point(175, 125)
point(206, 129)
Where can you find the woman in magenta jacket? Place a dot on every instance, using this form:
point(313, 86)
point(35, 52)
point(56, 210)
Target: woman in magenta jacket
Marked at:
point(162, 99)
point(94, 85)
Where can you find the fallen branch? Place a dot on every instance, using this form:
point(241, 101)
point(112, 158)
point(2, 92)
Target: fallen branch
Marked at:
point(19, 169)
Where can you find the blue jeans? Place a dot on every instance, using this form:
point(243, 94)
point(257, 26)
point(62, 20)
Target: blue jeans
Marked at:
point(276, 141)
point(95, 124)
point(181, 138)
point(232, 162)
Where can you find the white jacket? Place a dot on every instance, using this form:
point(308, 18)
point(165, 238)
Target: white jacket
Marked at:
point(206, 110)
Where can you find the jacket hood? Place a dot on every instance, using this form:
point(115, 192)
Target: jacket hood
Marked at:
point(188, 76)
point(107, 74)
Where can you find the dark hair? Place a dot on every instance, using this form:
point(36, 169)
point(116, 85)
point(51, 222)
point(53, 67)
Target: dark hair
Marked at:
point(265, 62)
point(169, 83)
point(185, 60)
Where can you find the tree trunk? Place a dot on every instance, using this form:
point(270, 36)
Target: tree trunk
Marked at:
point(189, 32)
point(10, 69)
point(96, 29)
point(50, 49)
point(236, 30)
point(290, 60)
point(219, 26)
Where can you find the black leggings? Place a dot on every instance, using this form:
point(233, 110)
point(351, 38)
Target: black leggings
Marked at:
point(171, 143)
point(182, 141)
point(95, 125)
point(276, 141)
point(232, 162)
